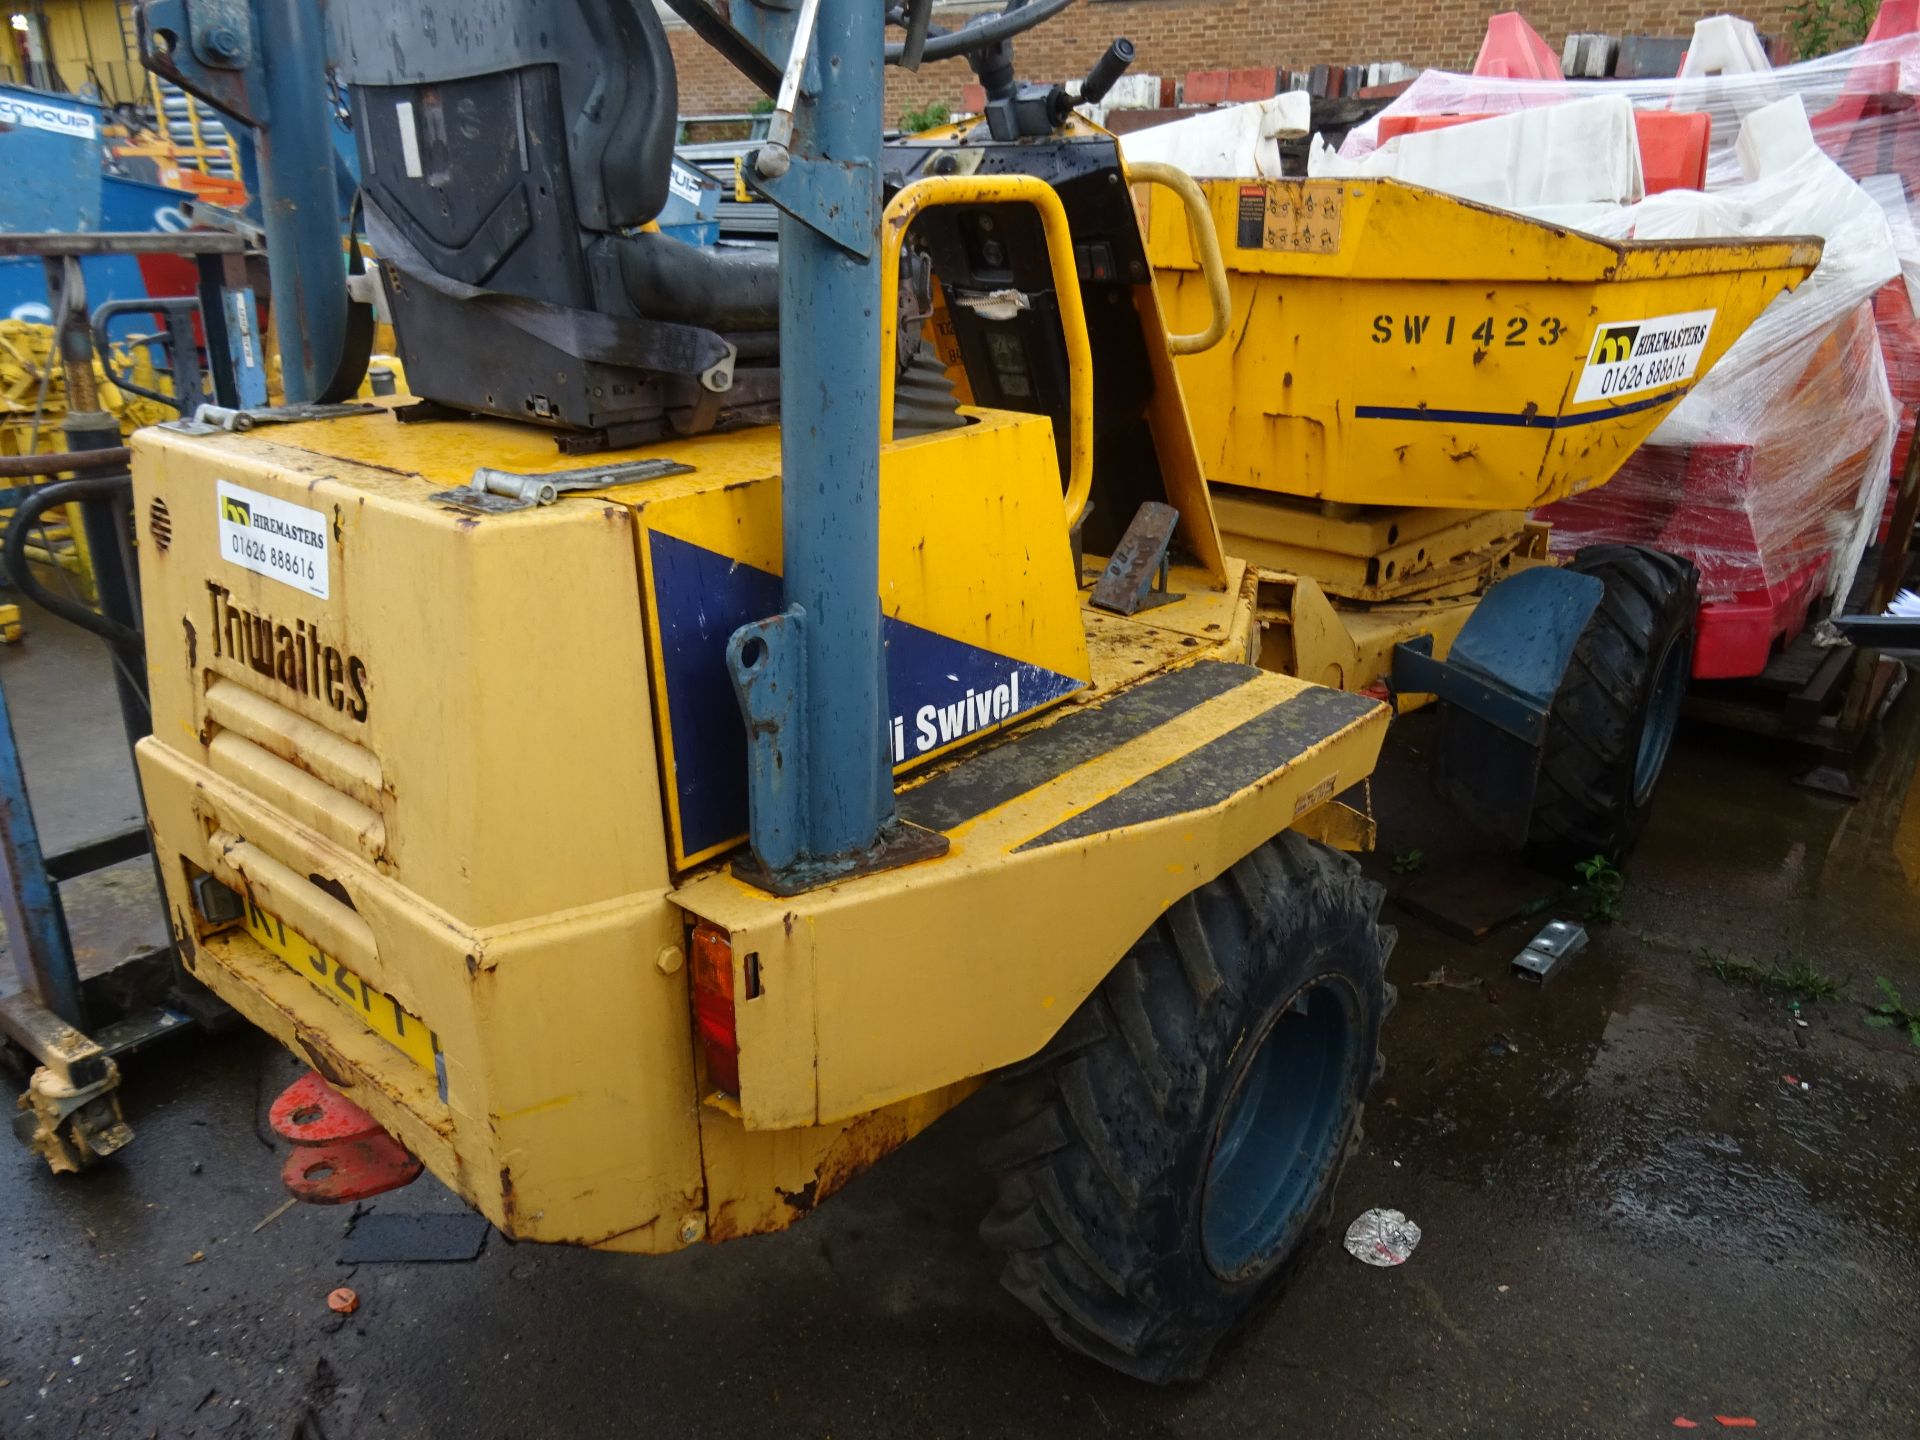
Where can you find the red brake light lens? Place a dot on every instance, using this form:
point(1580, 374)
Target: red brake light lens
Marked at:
point(712, 963)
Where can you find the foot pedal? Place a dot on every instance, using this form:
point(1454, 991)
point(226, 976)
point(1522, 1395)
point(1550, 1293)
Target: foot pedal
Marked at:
point(1136, 575)
point(340, 1153)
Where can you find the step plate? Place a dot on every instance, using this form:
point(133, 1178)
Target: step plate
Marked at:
point(1006, 769)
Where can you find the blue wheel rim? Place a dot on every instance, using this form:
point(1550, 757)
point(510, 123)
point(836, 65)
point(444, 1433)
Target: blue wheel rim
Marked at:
point(1663, 719)
point(1280, 1132)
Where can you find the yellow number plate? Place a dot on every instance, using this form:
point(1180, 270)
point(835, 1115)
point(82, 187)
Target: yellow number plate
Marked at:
point(379, 1011)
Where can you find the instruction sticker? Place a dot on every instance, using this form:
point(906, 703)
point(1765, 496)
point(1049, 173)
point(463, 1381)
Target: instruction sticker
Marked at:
point(1628, 356)
point(1297, 216)
point(270, 537)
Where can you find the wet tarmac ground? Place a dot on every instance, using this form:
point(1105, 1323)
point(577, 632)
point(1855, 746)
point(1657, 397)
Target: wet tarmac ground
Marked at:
point(1630, 1214)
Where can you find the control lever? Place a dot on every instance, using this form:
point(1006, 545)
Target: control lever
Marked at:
point(1027, 111)
point(1106, 70)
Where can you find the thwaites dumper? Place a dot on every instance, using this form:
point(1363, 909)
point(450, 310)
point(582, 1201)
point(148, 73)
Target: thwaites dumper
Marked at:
point(649, 816)
point(1405, 376)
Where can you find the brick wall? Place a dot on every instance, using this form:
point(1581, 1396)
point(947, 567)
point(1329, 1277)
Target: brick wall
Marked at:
point(1175, 36)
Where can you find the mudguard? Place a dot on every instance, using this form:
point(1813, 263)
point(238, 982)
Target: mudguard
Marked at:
point(1496, 688)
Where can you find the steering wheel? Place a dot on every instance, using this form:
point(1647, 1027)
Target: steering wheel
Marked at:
point(928, 42)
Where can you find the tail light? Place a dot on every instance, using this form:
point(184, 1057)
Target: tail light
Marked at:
point(712, 966)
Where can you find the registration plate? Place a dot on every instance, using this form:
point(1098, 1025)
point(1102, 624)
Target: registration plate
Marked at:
point(379, 1011)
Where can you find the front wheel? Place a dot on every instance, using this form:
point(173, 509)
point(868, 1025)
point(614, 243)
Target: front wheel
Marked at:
point(1614, 717)
point(1178, 1143)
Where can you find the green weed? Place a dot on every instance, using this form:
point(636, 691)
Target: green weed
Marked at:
point(1794, 977)
point(914, 119)
point(1820, 27)
point(1603, 886)
point(1892, 1012)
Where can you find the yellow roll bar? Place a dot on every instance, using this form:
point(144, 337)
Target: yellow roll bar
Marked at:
point(999, 190)
point(1206, 249)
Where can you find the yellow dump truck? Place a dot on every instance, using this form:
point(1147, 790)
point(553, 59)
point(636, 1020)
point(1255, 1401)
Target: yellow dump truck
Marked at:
point(646, 817)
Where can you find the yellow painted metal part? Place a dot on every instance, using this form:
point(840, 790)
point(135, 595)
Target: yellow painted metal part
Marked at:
point(86, 41)
point(1206, 250)
point(988, 190)
point(33, 403)
point(1370, 553)
point(1348, 644)
point(1395, 346)
point(444, 773)
point(1344, 827)
point(860, 969)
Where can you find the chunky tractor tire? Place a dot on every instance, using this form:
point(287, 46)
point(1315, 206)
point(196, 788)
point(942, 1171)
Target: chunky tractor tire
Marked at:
point(1615, 714)
point(1176, 1145)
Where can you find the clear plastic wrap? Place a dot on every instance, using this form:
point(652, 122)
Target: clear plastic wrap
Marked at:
point(1778, 463)
point(1777, 509)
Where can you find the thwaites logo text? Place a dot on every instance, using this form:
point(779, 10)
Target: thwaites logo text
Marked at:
point(296, 655)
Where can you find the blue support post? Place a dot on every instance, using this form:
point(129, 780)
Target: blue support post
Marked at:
point(243, 349)
point(264, 64)
point(830, 450)
point(812, 681)
point(299, 203)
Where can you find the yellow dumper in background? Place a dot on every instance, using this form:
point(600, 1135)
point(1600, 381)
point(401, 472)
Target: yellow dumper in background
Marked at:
point(1402, 376)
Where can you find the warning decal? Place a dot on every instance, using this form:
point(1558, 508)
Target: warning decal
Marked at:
point(1628, 356)
point(1294, 216)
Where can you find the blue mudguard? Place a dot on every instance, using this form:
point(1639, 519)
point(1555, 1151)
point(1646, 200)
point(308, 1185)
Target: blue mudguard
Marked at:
point(1496, 689)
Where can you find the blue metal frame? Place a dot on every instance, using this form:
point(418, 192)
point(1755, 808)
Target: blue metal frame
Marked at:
point(36, 920)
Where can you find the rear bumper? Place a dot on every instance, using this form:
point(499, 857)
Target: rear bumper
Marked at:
point(566, 1107)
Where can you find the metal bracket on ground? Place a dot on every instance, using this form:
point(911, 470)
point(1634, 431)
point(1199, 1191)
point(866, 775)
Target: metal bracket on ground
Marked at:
point(70, 1114)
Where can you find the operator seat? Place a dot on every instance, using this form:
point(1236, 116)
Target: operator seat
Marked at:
point(506, 167)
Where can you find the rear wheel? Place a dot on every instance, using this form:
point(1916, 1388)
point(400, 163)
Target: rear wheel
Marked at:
point(1616, 712)
point(1177, 1144)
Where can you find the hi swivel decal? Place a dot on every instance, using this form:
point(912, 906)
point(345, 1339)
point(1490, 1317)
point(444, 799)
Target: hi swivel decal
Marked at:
point(942, 689)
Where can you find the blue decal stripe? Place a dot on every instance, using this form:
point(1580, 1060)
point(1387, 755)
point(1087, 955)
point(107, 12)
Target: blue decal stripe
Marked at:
point(941, 691)
point(1523, 419)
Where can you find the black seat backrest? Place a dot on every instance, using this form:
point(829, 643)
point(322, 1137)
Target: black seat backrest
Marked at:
point(493, 133)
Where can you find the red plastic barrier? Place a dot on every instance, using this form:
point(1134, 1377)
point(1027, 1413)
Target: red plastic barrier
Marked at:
point(1737, 632)
point(1513, 50)
point(1673, 148)
point(1700, 501)
point(1896, 18)
point(1899, 331)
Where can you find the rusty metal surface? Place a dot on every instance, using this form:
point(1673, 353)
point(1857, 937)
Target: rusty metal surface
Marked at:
point(1138, 564)
point(61, 462)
